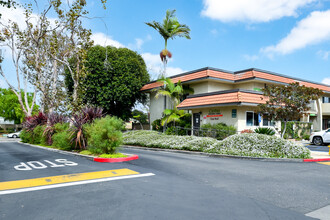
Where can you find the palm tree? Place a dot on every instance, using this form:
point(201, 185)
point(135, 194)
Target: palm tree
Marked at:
point(172, 115)
point(174, 92)
point(170, 28)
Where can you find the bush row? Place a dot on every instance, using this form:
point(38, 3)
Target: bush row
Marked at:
point(248, 144)
point(95, 133)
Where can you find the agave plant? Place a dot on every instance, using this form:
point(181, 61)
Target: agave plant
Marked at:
point(53, 119)
point(33, 121)
point(267, 131)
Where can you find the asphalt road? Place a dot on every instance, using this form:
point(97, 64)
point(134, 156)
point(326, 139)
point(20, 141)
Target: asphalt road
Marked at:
point(322, 148)
point(183, 187)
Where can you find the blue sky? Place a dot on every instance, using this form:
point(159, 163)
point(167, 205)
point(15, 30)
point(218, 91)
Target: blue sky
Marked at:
point(290, 37)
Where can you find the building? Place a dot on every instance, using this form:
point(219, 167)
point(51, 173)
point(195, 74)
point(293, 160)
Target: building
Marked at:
point(233, 97)
point(4, 122)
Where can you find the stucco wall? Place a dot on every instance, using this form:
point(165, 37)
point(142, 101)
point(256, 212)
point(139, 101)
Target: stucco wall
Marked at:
point(156, 107)
point(217, 86)
point(199, 88)
point(239, 122)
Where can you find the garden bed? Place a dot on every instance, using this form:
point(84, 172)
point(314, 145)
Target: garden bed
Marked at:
point(246, 145)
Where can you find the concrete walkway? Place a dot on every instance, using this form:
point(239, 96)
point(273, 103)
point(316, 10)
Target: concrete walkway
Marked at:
point(319, 155)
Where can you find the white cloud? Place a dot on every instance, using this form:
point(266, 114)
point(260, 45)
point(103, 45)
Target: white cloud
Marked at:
point(104, 40)
point(251, 57)
point(311, 30)
point(12, 14)
point(323, 54)
point(139, 42)
point(252, 10)
point(171, 71)
point(155, 66)
point(326, 81)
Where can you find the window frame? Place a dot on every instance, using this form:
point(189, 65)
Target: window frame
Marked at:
point(253, 119)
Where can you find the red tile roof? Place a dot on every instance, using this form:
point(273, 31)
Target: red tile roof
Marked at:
point(233, 77)
point(223, 98)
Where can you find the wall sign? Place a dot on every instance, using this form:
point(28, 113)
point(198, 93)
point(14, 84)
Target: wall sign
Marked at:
point(214, 113)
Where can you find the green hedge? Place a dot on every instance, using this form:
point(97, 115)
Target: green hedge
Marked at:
point(104, 135)
point(219, 131)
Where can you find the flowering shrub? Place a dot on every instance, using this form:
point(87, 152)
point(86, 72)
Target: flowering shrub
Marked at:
point(159, 140)
point(259, 145)
point(253, 145)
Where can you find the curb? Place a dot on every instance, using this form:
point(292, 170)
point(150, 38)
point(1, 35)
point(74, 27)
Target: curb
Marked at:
point(96, 159)
point(115, 160)
point(219, 155)
point(317, 160)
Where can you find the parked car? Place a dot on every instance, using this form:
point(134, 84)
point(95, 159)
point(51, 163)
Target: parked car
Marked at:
point(13, 135)
point(321, 137)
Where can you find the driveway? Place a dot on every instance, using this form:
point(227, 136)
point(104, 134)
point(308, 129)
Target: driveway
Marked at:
point(182, 186)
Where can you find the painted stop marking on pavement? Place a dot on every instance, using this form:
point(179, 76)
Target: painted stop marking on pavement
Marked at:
point(44, 164)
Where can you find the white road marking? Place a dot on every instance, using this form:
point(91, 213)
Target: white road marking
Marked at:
point(38, 165)
point(5, 192)
point(322, 213)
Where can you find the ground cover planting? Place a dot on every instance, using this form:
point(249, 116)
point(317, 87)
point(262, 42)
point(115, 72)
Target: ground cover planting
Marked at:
point(247, 144)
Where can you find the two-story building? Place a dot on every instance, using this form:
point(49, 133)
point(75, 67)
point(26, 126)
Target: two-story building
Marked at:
point(233, 98)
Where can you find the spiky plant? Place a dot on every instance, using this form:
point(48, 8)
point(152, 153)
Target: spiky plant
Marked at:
point(267, 131)
point(92, 113)
point(33, 121)
point(53, 119)
point(86, 115)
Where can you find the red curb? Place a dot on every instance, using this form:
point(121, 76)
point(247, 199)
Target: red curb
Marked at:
point(317, 160)
point(115, 160)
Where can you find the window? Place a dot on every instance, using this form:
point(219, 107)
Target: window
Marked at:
point(325, 99)
point(266, 122)
point(234, 113)
point(252, 119)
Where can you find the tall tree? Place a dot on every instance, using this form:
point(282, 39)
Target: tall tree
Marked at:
point(77, 42)
point(10, 108)
point(169, 29)
point(288, 102)
point(114, 79)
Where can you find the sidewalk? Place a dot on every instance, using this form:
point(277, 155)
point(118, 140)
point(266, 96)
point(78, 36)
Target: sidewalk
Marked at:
point(320, 155)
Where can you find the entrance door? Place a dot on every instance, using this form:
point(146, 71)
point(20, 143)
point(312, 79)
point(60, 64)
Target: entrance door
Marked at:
point(197, 120)
point(196, 123)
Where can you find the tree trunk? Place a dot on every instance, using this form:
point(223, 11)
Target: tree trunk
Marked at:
point(283, 132)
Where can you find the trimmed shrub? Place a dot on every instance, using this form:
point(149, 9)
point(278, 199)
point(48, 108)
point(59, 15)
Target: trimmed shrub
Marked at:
point(26, 136)
point(253, 145)
point(259, 145)
point(159, 140)
point(157, 126)
point(219, 131)
point(104, 135)
point(61, 137)
point(306, 137)
point(267, 131)
point(37, 134)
